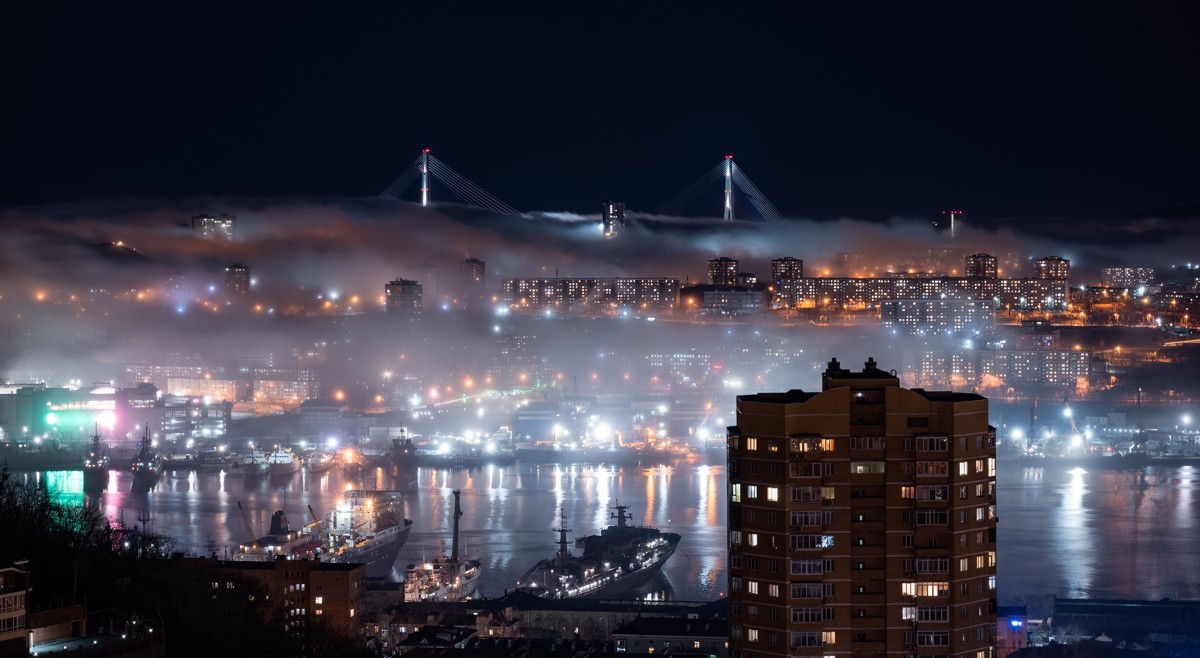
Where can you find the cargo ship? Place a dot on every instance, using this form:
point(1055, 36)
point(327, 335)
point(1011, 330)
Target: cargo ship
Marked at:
point(447, 578)
point(621, 558)
point(366, 527)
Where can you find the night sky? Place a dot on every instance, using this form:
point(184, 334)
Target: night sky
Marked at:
point(1016, 113)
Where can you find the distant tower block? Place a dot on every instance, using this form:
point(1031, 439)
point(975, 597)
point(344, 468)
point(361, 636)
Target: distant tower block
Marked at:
point(211, 227)
point(786, 273)
point(723, 271)
point(472, 279)
point(403, 298)
point(981, 266)
point(613, 219)
point(237, 279)
point(1052, 267)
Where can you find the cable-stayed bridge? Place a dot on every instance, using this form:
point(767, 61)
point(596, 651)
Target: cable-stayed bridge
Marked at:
point(427, 169)
point(742, 200)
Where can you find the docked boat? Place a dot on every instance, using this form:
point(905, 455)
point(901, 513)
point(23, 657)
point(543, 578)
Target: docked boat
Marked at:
point(255, 464)
point(551, 453)
point(367, 527)
point(147, 465)
point(447, 578)
point(621, 558)
point(404, 452)
point(182, 462)
point(1104, 462)
point(282, 541)
point(95, 466)
point(211, 461)
point(322, 462)
point(283, 462)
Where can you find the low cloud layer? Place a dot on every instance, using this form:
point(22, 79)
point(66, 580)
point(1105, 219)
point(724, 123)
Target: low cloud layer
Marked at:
point(358, 244)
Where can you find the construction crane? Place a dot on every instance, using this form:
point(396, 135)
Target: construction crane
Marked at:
point(249, 528)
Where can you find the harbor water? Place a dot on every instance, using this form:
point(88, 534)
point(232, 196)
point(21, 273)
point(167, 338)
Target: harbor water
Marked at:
point(1068, 532)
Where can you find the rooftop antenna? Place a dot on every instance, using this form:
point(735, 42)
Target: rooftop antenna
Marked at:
point(954, 215)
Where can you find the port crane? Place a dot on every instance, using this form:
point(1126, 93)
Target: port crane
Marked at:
point(249, 528)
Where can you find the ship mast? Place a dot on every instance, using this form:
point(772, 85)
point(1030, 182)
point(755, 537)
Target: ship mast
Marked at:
point(564, 555)
point(620, 515)
point(457, 516)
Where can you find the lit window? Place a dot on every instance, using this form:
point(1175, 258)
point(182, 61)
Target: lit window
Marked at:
point(773, 495)
point(751, 443)
point(752, 491)
point(320, 600)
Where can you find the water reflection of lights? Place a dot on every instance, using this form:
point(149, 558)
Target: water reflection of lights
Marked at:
point(1073, 535)
point(1183, 500)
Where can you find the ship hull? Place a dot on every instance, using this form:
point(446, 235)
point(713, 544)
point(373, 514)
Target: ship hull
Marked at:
point(379, 554)
point(630, 581)
point(254, 470)
point(283, 470)
point(145, 480)
point(95, 479)
point(605, 585)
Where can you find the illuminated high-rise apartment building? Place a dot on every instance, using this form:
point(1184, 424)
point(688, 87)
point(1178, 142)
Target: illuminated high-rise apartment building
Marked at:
point(981, 266)
point(723, 271)
point(402, 297)
point(472, 283)
point(862, 521)
point(1126, 277)
point(612, 218)
point(214, 226)
point(237, 279)
point(1052, 267)
point(785, 272)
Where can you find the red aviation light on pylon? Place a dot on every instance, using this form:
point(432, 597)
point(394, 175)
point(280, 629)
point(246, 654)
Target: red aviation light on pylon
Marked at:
point(729, 157)
point(424, 150)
